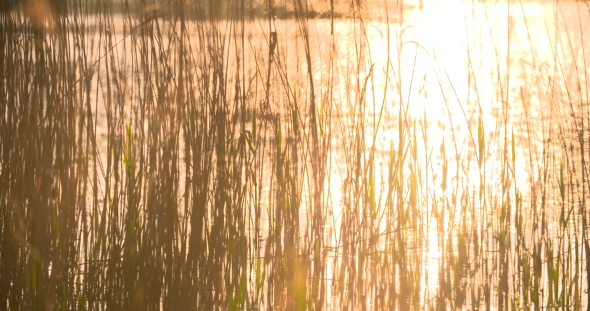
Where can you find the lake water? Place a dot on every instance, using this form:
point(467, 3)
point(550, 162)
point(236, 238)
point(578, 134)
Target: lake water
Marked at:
point(445, 129)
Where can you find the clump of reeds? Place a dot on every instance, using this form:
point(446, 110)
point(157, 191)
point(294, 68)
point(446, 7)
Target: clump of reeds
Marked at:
point(193, 156)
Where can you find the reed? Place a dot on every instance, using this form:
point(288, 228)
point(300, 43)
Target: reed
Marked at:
point(295, 155)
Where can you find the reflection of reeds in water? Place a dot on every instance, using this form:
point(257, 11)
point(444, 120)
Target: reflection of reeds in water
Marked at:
point(174, 176)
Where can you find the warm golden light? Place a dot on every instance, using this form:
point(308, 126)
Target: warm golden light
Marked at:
point(301, 155)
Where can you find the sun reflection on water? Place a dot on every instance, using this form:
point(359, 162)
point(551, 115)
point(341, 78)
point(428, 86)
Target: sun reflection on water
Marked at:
point(450, 113)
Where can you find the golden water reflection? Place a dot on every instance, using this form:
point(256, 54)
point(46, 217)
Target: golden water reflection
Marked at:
point(453, 120)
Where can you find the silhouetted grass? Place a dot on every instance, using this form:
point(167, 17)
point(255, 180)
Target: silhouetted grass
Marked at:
point(183, 155)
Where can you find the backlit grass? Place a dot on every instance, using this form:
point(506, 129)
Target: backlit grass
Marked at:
point(185, 155)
